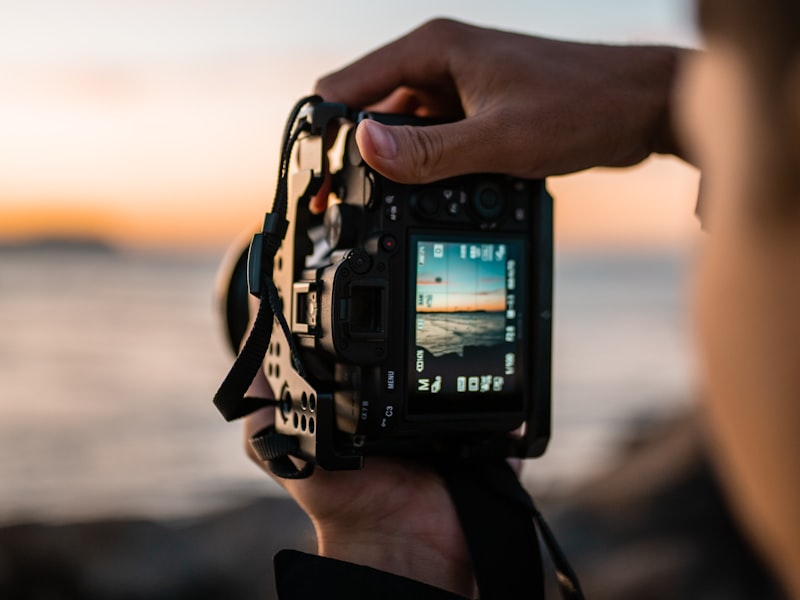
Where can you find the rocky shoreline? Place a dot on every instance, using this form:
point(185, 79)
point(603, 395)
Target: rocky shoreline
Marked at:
point(656, 526)
point(221, 555)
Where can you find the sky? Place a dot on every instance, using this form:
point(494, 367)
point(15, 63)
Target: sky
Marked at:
point(157, 122)
point(459, 277)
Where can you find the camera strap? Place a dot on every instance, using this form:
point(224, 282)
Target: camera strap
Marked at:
point(500, 523)
point(230, 398)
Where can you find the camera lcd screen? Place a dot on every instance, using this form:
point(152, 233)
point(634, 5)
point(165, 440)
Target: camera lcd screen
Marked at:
point(467, 335)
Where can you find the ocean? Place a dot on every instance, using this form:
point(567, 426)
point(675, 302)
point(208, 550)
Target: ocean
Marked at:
point(109, 360)
point(450, 333)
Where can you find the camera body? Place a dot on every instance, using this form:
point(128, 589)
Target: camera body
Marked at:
point(421, 313)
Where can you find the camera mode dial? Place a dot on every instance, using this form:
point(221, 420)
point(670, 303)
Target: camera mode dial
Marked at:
point(341, 225)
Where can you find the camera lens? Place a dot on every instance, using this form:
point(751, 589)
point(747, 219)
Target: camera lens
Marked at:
point(488, 202)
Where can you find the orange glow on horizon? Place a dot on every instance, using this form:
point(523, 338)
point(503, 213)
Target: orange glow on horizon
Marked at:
point(55, 220)
point(646, 206)
point(170, 229)
point(496, 307)
point(170, 158)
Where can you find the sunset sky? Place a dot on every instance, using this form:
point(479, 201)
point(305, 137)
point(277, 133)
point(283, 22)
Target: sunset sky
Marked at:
point(458, 277)
point(157, 122)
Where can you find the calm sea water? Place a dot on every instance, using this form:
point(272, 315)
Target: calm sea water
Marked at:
point(109, 361)
point(449, 333)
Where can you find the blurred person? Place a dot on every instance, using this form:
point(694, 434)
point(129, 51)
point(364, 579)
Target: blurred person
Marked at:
point(741, 116)
point(533, 107)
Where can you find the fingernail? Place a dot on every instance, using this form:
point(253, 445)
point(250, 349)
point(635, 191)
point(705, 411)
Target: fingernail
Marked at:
point(382, 139)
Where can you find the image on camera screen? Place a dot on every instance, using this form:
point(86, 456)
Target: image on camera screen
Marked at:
point(467, 323)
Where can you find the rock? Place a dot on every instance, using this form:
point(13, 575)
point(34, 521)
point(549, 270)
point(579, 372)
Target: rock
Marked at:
point(225, 555)
point(656, 526)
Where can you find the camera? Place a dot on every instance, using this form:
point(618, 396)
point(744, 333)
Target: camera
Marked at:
point(416, 318)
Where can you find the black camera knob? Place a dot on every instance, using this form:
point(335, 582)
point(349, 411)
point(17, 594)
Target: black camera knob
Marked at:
point(359, 260)
point(488, 201)
point(341, 225)
point(428, 203)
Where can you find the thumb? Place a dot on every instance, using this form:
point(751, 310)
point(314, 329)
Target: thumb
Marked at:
point(409, 154)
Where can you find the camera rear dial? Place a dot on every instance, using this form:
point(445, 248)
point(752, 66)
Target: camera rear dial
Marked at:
point(488, 201)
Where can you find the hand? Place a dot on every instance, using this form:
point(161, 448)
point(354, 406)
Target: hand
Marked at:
point(533, 107)
point(392, 515)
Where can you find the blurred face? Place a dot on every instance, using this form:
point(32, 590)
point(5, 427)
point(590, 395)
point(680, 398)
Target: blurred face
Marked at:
point(717, 119)
point(747, 299)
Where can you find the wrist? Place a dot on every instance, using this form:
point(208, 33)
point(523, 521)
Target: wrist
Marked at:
point(438, 560)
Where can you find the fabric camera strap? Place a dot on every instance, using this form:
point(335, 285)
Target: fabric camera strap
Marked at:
point(500, 523)
point(230, 398)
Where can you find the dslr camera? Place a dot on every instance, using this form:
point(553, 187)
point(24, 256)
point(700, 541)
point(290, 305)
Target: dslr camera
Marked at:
point(416, 319)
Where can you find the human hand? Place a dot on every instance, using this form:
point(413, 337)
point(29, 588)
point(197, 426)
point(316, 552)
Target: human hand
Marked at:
point(533, 107)
point(391, 515)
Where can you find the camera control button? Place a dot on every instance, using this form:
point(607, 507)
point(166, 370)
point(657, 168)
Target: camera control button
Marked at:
point(488, 201)
point(359, 261)
point(388, 243)
point(390, 380)
point(428, 203)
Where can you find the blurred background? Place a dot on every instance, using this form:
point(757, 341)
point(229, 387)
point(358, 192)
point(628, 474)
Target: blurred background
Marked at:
point(139, 139)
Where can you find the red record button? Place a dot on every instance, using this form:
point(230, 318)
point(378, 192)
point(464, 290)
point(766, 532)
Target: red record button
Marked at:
point(388, 243)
